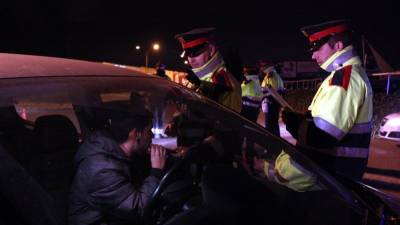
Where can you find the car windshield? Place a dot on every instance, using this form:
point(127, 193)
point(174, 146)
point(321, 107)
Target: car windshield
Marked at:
point(45, 119)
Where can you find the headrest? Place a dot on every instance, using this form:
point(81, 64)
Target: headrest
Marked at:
point(55, 133)
point(9, 118)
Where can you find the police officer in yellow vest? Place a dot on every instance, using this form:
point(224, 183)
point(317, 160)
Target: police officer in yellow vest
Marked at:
point(336, 130)
point(251, 102)
point(272, 79)
point(271, 107)
point(251, 93)
point(209, 75)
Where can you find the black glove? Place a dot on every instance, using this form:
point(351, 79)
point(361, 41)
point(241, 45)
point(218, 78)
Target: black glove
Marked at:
point(192, 78)
point(289, 117)
point(285, 114)
point(292, 121)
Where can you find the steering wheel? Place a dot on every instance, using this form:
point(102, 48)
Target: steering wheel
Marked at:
point(198, 152)
point(149, 210)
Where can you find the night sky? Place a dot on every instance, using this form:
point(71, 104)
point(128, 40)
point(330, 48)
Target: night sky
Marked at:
point(102, 30)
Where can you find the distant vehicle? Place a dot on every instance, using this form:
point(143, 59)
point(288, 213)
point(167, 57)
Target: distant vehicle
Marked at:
point(390, 127)
point(48, 106)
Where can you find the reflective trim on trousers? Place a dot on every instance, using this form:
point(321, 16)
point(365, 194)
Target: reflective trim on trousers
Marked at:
point(254, 105)
point(348, 152)
point(352, 152)
point(252, 98)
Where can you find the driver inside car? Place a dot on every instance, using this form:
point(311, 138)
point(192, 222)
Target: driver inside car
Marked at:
point(103, 190)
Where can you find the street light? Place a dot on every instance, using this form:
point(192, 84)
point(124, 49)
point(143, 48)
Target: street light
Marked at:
point(154, 47)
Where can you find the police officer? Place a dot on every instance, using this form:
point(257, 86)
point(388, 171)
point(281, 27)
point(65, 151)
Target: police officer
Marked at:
point(209, 75)
point(251, 93)
point(251, 102)
point(160, 71)
point(336, 130)
point(271, 107)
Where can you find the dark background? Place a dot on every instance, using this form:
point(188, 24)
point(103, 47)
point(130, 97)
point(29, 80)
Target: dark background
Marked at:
point(102, 30)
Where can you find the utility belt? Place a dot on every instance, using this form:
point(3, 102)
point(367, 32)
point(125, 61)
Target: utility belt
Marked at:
point(251, 104)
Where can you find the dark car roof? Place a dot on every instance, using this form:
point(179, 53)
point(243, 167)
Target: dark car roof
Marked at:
point(16, 65)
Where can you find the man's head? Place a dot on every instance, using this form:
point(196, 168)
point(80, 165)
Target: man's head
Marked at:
point(160, 65)
point(262, 66)
point(199, 45)
point(327, 38)
point(130, 127)
point(250, 70)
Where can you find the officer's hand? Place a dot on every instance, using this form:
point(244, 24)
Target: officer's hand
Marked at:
point(157, 156)
point(191, 77)
point(291, 118)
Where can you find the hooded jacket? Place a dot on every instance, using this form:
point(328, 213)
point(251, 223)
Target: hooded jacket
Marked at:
point(102, 190)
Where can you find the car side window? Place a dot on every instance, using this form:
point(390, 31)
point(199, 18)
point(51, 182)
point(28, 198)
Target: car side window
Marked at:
point(30, 111)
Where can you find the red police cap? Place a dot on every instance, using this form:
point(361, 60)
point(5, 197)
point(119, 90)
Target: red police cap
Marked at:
point(319, 34)
point(196, 37)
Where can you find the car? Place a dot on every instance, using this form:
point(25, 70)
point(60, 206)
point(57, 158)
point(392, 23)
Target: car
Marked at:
point(390, 127)
point(48, 106)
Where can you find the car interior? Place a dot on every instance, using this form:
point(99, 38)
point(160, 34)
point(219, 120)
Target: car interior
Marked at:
point(39, 139)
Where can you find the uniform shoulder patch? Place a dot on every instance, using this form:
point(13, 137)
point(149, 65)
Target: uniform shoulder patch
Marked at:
point(221, 77)
point(341, 77)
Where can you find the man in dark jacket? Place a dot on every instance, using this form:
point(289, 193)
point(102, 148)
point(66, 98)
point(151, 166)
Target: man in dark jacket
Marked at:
point(103, 190)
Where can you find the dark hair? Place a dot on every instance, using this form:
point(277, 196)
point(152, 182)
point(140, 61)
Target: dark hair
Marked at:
point(346, 38)
point(251, 70)
point(121, 117)
point(120, 123)
point(161, 72)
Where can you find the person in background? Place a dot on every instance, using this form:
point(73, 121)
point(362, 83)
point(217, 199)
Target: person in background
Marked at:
point(251, 101)
point(271, 107)
point(160, 71)
point(251, 93)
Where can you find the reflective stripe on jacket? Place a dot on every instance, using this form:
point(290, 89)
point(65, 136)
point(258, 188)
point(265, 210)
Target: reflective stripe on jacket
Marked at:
point(213, 74)
point(251, 91)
